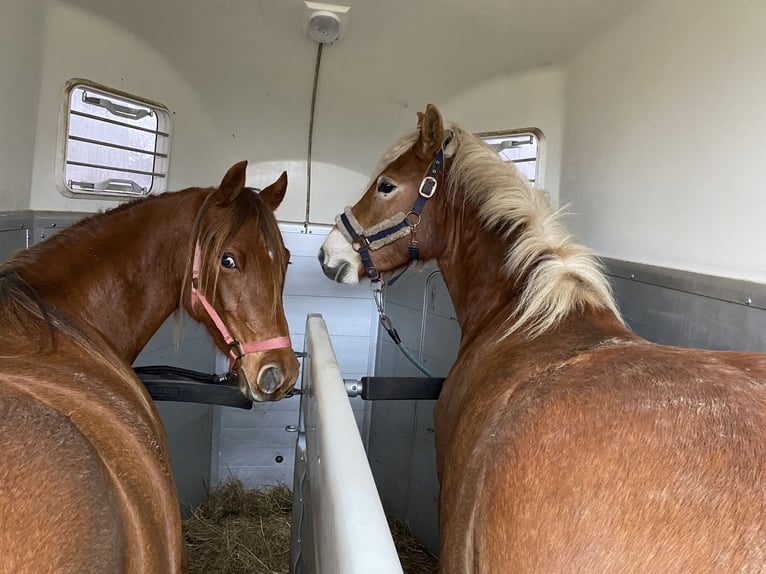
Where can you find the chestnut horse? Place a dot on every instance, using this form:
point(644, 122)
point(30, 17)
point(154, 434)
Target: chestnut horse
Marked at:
point(85, 478)
point(564, 442)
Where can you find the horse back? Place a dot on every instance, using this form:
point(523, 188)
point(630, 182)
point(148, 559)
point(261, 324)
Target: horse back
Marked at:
point(59, 509)
point(93, 441)
point(623, 459)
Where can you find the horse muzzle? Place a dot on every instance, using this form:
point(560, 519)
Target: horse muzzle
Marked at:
point(273, 380)
point(339, 261)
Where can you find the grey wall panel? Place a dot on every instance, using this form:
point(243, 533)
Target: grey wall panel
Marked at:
point(345, 316)
point(261, 448)
point(388, 454)
point(391, 429)
point(172, 336)
point(260, 476)
point(188, 427)
point(437, 297)
point(15, 229)
point(424, 486)
point(247, 439)
point(676, 307)
point(263, 416)
point(406, 320)
point(442, 338)
point(12, 240)
point(48, 223)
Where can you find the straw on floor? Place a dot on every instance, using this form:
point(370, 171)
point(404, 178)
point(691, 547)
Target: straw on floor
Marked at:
point(238, 531)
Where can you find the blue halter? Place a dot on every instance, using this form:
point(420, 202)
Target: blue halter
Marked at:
point(365, 240)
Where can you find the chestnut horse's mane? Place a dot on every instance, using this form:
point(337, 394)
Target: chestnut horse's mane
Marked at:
point(559, 275)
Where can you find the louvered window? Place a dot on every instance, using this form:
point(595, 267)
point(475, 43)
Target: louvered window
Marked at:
point(115, 145)
point(520, 147)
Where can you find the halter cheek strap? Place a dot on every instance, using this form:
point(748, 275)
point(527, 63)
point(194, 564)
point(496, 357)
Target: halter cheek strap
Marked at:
point(236, 349)
point(395, 227)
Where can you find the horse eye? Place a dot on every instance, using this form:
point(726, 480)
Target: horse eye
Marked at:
point(386, 187)
point(228, 262)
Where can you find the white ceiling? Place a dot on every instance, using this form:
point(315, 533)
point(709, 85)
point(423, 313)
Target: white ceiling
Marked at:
point(470, 40)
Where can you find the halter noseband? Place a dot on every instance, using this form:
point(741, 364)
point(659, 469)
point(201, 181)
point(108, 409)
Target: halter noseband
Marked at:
point(395, 227)
point(236, 349)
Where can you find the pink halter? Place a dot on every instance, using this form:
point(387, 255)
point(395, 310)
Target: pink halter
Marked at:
point(236, 349)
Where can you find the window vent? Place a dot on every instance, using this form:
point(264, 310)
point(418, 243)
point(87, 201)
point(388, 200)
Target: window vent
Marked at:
point(520, 147)
point(116, 145)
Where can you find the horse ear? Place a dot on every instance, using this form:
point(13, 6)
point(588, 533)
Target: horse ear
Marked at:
point(275, 193)
point(431, 129)
point(233, 182)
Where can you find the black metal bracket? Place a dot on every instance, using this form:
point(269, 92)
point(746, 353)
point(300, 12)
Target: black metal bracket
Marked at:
point(401, 388)
point(182, 385)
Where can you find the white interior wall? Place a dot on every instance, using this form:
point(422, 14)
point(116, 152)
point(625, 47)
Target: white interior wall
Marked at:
point(80, 44)
point(532, 99)
point(665, 123)
point(20, 57)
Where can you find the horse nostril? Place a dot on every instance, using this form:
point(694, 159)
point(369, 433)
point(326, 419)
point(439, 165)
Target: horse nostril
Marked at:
point(341, 271)
point(337, 273)
point(270, 379)
point(320, 256)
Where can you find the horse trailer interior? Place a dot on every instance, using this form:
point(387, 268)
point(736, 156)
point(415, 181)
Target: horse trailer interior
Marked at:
point(641, 119)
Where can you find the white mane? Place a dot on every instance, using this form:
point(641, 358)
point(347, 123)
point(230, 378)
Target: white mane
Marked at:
point(561, 275)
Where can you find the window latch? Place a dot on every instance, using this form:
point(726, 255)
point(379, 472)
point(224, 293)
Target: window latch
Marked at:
point(115, 108)
point(112, 184)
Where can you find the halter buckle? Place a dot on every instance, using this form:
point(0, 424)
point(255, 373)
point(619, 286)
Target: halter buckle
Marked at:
point(428, 182)
point(360, 242)
point(237, 347)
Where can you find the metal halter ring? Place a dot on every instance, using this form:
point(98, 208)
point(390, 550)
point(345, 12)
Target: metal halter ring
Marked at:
point(412, 223)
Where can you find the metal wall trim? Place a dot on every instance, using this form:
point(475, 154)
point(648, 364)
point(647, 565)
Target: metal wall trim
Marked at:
point(736, 291)
point(12, 220)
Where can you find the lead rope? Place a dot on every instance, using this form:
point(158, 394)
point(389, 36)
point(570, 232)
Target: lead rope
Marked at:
point(377, 287)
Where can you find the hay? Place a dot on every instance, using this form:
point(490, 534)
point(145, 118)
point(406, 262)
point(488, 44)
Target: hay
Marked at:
point(413, 555)
point(238, 531)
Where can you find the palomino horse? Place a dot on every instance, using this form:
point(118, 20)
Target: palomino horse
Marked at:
point(564, 442)
point(85, 481)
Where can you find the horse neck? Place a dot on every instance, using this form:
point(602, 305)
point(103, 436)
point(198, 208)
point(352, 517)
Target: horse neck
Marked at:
point(471, 264)
point(119, 274)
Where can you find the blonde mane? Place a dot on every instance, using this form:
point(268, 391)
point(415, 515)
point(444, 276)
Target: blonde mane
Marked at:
point(560, 275)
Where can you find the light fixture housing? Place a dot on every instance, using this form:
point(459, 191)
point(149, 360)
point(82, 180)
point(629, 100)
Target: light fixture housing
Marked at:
point(325, 23)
